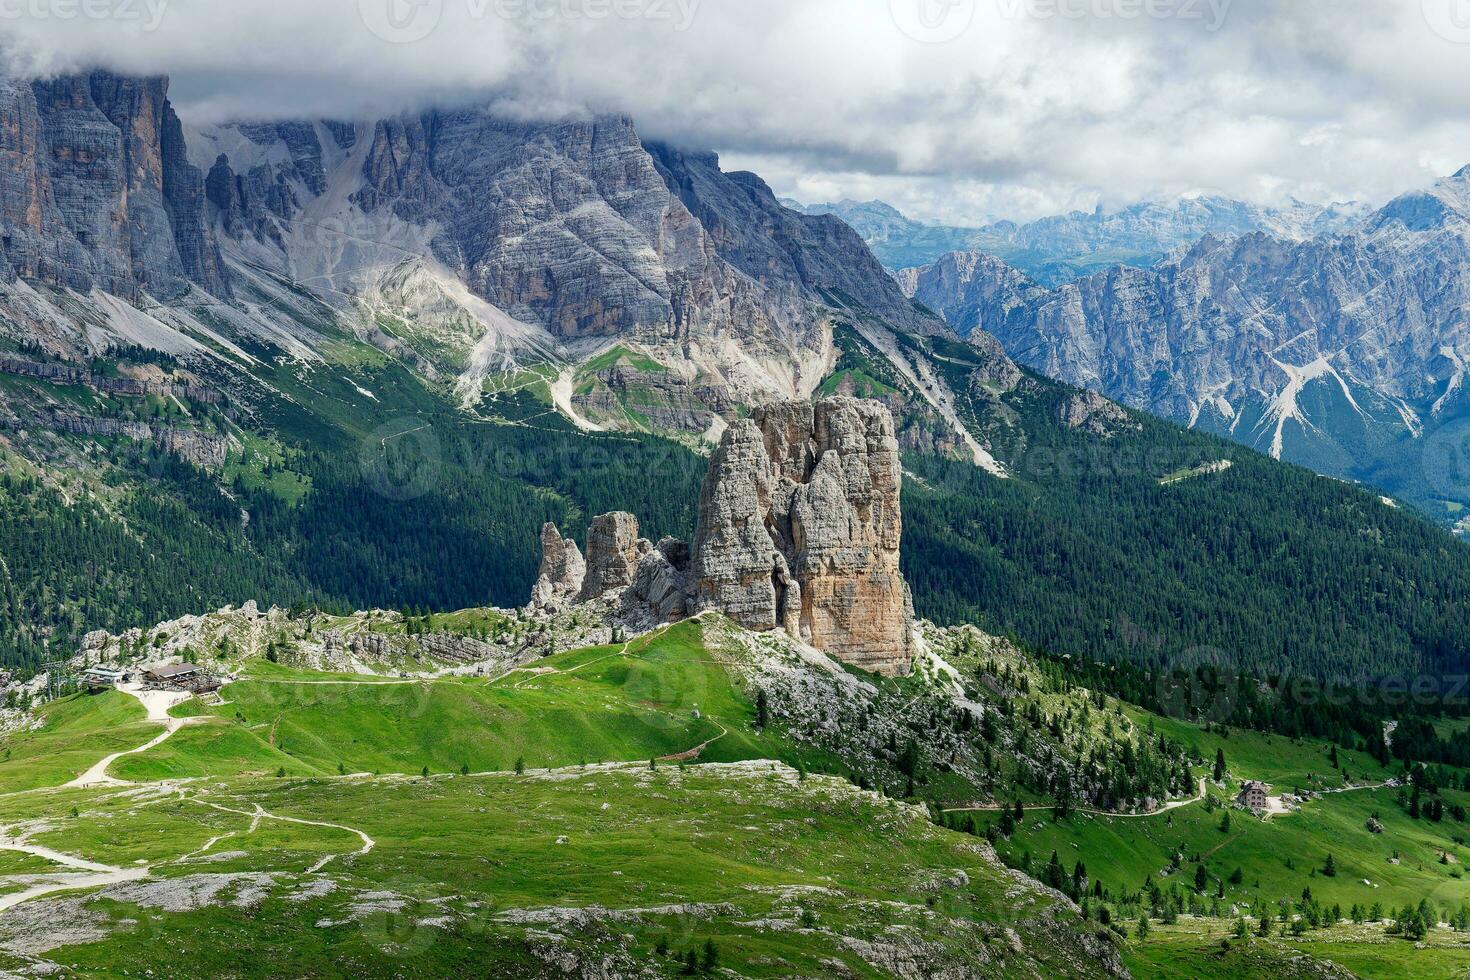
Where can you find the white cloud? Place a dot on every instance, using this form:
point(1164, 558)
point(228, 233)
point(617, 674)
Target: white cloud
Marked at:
point(1028, 106)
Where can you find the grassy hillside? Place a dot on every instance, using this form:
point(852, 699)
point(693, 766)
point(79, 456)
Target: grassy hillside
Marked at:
point(660, 696)
point(1277, 857)
point(1136, 865)
point(1208, 950)
point(624, 870)
point(70, 735)
point(317, 842)
point(596, 865)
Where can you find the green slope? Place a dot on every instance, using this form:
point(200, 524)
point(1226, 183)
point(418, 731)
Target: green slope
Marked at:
point(618, 867)
point(661, 696)
point(479, 876)
point(73, 733)
point(349, 501)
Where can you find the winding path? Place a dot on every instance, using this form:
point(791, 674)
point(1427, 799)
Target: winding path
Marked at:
point(694, 753)
point(260, 813)
point(1171, 805)
point(157, 703)
point(91, 874)
point(87, 874)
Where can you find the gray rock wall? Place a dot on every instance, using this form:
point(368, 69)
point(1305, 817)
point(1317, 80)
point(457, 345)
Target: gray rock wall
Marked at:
point(563, 570)
point(800, 528)
point(96, 189)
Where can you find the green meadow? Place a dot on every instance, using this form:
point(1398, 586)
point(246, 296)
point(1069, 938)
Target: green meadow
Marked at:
point(662, 695)
point(469, 874)
point(1208, 950)
point(252, 823)
point(1287, 764)
point(73, 734)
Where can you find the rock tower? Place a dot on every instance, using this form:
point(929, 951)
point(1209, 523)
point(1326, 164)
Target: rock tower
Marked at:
point(800, 526)
point(799, 529)
point(563, 570)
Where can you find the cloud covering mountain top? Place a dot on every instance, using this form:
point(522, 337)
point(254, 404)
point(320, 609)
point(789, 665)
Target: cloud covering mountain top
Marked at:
point(951, 109)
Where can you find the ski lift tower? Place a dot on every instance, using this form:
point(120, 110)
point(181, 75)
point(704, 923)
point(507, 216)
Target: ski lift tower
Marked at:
point(57, 673)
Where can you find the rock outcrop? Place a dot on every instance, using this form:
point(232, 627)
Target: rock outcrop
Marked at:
point(563, 570)
point(660, 589)
point(800, 527)
point(200, 449)
point(645, 584)
point(613, 551)
point(1091, 412)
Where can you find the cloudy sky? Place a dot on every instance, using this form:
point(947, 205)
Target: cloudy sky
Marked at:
point(954, 110)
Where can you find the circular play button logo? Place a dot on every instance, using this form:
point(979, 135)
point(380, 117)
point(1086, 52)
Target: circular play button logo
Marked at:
point(932, 21)
point(401, 21)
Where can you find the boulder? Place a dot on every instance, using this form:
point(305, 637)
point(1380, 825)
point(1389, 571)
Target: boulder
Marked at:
point(800, 526)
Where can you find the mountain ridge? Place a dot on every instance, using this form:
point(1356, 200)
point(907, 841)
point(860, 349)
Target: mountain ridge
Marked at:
point(1059, 248)
point(1343, 353)
point(370, 415)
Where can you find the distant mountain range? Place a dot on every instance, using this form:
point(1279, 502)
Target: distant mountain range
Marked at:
point(1058, 249)
point(324, 361)
point(462, 243)
point(1346, 352)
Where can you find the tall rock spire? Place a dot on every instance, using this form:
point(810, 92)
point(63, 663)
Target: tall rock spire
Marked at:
point(800, 528)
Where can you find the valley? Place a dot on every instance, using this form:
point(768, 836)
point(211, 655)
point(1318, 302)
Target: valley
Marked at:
point(1083, 605)
point(418, 822)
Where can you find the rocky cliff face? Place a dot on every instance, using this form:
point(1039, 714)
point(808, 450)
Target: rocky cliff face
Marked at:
point(533, 239)
point(660, 292)
point(1346, 353)
point(563, 570)
point(96, 189)
point(799, 528)
point(972, 291)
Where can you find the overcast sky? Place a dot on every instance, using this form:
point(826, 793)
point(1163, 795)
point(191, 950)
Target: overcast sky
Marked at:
point(951, 109)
